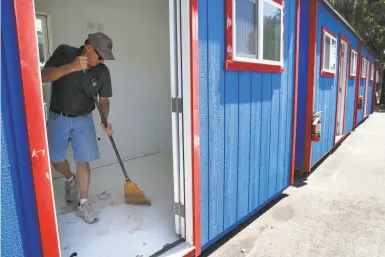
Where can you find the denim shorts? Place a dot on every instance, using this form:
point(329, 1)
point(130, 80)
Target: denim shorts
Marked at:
point(79, 131)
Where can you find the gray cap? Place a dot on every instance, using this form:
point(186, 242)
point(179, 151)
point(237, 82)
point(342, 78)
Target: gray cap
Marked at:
point(102, 44)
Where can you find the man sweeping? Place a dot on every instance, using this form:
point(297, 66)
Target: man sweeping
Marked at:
point(70, 117)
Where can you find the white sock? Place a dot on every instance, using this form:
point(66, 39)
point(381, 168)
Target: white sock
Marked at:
point(70, 179)
point(82, 201)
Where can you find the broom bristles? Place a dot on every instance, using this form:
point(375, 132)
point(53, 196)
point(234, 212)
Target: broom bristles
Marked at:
point(133, 195)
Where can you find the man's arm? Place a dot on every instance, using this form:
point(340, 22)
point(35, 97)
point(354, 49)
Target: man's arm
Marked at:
point(105, 106)
point(55, 69)
point(49, 74)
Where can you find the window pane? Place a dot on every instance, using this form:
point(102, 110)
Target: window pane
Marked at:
point(333, 55)
point(326, 53)
point(246, 28)
point(40, 41)
point(272, 39)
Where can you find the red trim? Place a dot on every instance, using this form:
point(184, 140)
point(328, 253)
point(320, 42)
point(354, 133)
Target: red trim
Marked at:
point(294, 132)
point(278, 1)
point(342, 38)
point(311, 80)
point(350, 66)
point(190, 254)
point(339, 141)
point(325, 73)
point(358, 81)
point(248, 66)
point(231, 64)
point(25, 26)
point(195, 123)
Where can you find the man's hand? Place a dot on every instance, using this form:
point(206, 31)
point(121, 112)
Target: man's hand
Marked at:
point(80, 63)
point(107, 130)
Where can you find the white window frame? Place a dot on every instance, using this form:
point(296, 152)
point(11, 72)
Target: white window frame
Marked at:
point(364, 67)
point(47, 35)
point(260, 34)
point(324, 35)
point(372, 72)
point(353, 62)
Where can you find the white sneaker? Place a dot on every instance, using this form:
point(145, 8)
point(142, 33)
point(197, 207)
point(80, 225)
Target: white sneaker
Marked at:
point(86, 212)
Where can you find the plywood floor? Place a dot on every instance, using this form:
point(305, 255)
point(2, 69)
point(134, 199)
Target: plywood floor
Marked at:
point(123, 230)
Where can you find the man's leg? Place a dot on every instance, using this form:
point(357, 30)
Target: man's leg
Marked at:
point(58, 130)
point(83, 179)
point(85, 148)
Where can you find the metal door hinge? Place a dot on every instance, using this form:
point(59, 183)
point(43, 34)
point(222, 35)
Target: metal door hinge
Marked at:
point(180, 209)
point(177, 105)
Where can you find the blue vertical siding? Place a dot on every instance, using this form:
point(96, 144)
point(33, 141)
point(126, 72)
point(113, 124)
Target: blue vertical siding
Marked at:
point(302, 83)
point(325, 94)
point(19, 223)
point(350, 101)
point(245, 127)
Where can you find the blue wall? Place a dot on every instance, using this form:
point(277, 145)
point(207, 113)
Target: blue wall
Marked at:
point(245, 126)
point(19, 224)
point(326, 88)
point(302, 84)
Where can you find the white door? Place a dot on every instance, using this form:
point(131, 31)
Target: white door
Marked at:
point(367, 78)
point(343, 63)
point(177, 115)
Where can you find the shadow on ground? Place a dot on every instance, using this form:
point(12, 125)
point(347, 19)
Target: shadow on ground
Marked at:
point(229, 236)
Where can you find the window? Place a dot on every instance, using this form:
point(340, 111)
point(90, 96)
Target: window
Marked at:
point(329, 54)
point(42, 38)
point(254, 35)
point(364, 67)
point(353, 63)
point(41, 24)
point(372, 72)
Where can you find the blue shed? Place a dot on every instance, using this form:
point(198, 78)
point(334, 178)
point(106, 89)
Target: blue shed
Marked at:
point(330, 55)
point(233, 74)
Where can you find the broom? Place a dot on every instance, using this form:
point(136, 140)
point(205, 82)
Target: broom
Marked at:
point(132, 193)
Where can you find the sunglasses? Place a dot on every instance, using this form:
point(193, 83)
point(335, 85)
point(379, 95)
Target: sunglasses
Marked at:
point(100, 57)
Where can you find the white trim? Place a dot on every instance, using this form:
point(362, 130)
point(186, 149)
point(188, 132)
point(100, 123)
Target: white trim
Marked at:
point(363, 67)
point(174, 116)
point(187, 142)
point(327, 34)
point(355, 54)
point(259, 59)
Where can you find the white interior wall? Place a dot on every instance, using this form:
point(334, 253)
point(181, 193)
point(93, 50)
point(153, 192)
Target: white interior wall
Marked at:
point(140, 106)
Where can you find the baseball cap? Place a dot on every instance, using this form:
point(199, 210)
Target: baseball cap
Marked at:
point(102, 44)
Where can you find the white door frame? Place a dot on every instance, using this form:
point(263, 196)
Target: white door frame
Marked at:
point(179, 18)
point(341, 87)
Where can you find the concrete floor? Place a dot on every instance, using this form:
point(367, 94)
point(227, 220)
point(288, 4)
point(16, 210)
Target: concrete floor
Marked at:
point(339, 210)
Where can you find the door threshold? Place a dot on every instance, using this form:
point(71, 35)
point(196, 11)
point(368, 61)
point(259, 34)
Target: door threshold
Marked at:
point(177, 249)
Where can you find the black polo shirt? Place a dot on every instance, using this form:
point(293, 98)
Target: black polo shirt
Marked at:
point(71, 94)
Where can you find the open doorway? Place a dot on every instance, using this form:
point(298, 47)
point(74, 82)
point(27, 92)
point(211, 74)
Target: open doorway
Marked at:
point(342, 84)
point(146, 113)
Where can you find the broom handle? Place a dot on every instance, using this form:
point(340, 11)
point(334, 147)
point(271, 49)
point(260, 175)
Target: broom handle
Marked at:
point(105, 125)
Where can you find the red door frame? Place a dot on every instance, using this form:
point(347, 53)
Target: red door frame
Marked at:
point(31, 83)
point(313, 14)
point(342, 38)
